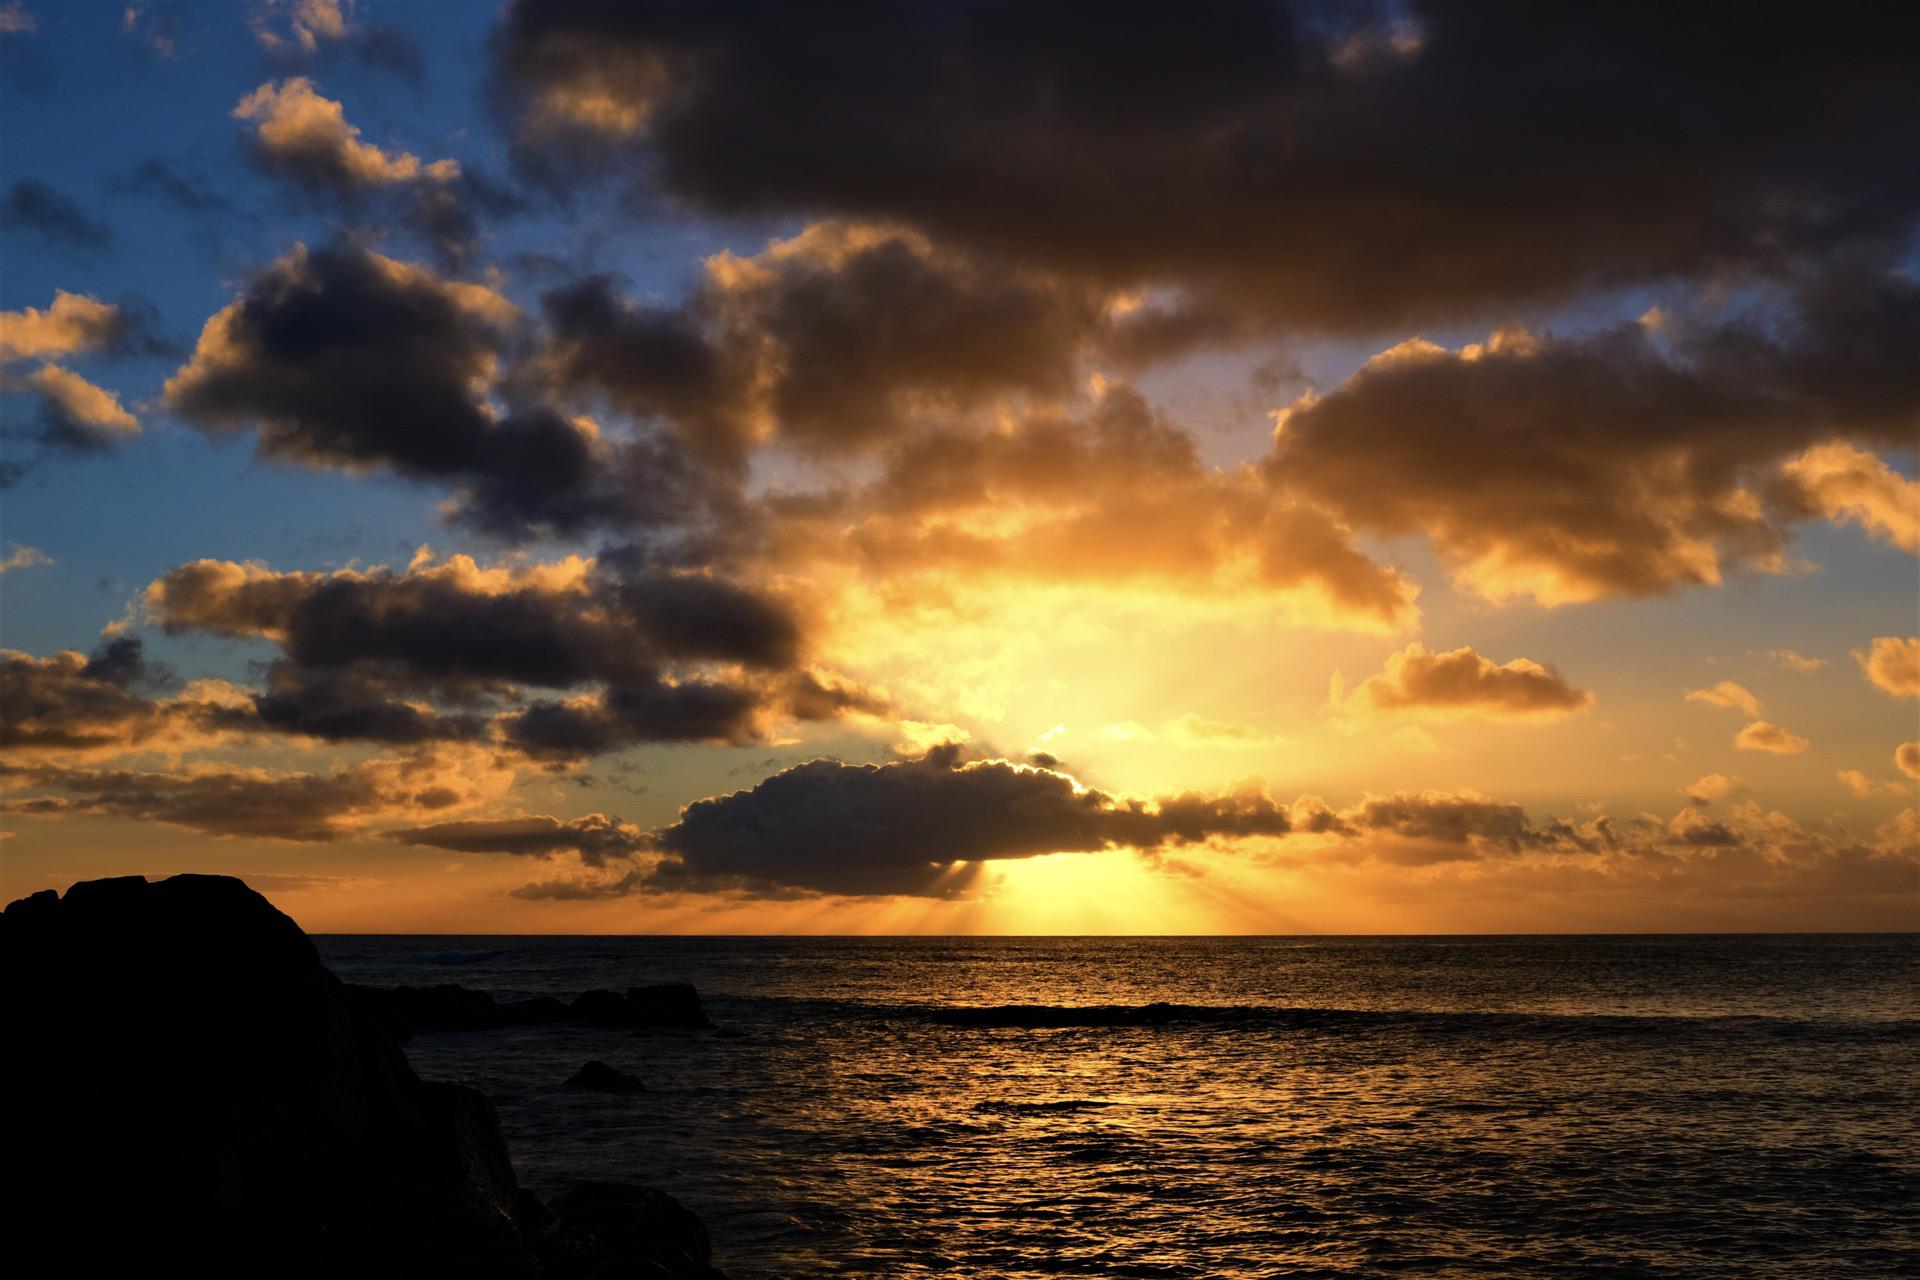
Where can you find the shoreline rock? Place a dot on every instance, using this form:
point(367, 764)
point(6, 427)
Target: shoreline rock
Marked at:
point(191, 1092)
point(598, 1077)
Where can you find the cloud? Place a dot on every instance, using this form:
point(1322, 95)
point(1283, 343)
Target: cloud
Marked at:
point(1862, 786)
point(1115, 496)
point(657, 708)
point(32, 205)
point(1472, 824)
point(595, 837)
point(1712, 787)
point(1762, 735)
point(1796, 661)
point(454, 624)
point(662, 655)
point(1628, 462)
point(77, 324)
point(301, 24)
point(75, 414)
point(908, 827)
point(1892, 665)
point(305, 32)
point(1727, 694)
point(159, 179)
point(343, 358)
point(917, 737)
point(257, 803)
point(1460, 684)
point(16, 19)
point(1846, 483)
point(307, 138)
point(23, 557)
point(157, 31)
point(832, 341)
point(102, 704)
point(1906, 758)
point(1357, 167)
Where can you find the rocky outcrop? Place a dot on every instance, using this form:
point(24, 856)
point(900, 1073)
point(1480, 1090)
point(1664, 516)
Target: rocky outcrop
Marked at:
point(666, 1004)
point(190, 1092)
point(601, 1078)
point(449, 1007)
point(613, 1231)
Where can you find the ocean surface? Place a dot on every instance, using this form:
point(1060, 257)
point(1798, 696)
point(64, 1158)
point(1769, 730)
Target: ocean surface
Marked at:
point(1437, 1107)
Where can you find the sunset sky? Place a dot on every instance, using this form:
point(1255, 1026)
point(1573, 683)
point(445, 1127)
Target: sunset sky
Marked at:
point(973, 467)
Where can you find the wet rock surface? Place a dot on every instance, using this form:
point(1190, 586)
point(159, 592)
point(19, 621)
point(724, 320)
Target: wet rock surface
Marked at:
point(184, 1069)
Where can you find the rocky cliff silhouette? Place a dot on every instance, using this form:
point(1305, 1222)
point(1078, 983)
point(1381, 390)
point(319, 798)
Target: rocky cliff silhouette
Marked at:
point(190, 1092)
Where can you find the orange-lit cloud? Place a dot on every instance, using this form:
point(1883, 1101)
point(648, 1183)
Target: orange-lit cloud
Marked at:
point(1763, 735)
point(1796, 661)
point(1862, 786)
point(1848, 483)
point(1712, 787)
point(1906, 757)
point(1460, 684)
point(308, 137)
point(1727, 694)
point(1892, 665)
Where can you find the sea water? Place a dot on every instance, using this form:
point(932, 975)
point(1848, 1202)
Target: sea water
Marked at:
point(1341, 1107)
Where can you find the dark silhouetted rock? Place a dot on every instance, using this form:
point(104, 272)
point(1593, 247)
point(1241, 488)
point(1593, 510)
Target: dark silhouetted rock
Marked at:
point(200, 1080)
point(666, 1004)
point(604, 1007)
point(610, 1229)
point(535, 1012)
point(190, 1093)
point(601, 1078)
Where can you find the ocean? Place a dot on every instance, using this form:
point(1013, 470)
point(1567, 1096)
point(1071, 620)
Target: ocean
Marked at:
point(1649, 1106)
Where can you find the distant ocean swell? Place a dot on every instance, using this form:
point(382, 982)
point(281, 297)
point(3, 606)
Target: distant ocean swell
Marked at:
point(1045, 1017)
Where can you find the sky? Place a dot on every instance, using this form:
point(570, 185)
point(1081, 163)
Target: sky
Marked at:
point(965, 468)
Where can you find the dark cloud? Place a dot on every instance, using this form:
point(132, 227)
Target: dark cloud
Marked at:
point(342, 358)
point(71, 701)
point(32, 205)
point(1630, 461)
point(160, 180)
point(595, 837)
point(660, 656)
point(106, 702)
point(832, 341)
point(1464, 819)
point(360, 703)
point(904, 828)
point(454, 626)
point(1344, 166)
point(641, 710)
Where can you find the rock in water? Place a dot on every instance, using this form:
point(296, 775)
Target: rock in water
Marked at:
point(666, 1004)
point(601, 1078)
point(190, 1093)
point(628, 1231)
